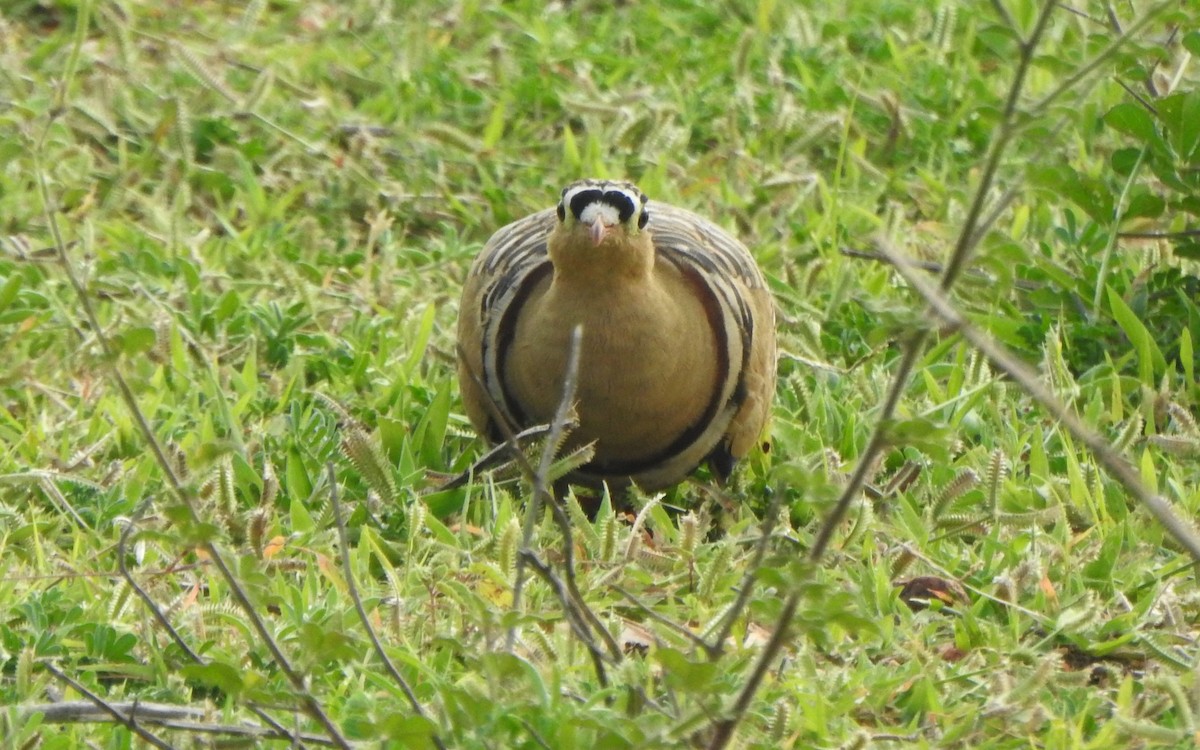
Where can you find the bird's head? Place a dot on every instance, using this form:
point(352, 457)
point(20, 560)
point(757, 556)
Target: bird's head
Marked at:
point(600, 211)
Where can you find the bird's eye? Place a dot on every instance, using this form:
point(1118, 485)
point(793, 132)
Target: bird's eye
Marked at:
point(562, 211)
point(645, 217)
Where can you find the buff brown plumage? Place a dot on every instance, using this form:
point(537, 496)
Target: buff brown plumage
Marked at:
point(677, 358)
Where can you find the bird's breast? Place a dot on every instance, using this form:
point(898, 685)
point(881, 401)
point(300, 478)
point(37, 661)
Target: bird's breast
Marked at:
point(648, 370)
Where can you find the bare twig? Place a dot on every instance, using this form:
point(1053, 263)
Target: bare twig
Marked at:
point(534, 509)
point(509, 432)
point(723, 729)
point(1103, 55)
point(141, 593)
point(542, 495)
point(161, 617)
point(1104, 453)
point(578, 625)
point(491, 457)
point(352, 587)
point(572, 601)
point(766, 529)
point(1005, 16)
point(1159, 235)
point(125, 719)
point(312, 705)
point(69, 712)
point(541, 489)
point(676, 627)
point(968, 237)
point(165, 715)
point(562, 415)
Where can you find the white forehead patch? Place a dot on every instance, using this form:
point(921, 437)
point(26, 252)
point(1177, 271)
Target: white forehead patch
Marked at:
point(601, 211)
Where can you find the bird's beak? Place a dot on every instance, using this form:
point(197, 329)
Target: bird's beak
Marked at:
point(598, 231)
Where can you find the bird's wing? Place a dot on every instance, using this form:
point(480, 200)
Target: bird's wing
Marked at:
point(726, 273)
point(504, 272)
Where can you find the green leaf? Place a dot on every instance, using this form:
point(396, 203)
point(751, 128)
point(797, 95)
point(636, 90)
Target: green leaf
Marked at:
point(1150, 359)
point(684, 674)
point(228, 304)
point(410, 731)
point(1181, 117)
point(1039, 464)
point(136, 340)
point(1186, 355)
point(495, 127)
point(432, 429)
point(296, 480)
point(1191, 42)
point(1133, 120)
point(8, 292)
point(1144, 205)
point(392, 435)
point(1149, 472)
point(417, 353)
point(1188, 249)
point(224, 677)
point(1124, 160)
point(301, 520)
point(571, 158)
point(1092, 195)
point(1101, 568)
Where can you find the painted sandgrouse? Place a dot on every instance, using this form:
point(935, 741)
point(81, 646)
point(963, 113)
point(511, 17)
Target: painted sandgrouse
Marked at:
point(677, 357)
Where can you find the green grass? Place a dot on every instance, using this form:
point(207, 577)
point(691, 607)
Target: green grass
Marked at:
point(272, 210)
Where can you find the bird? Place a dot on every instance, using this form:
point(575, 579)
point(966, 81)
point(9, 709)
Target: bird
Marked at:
point(677, 355)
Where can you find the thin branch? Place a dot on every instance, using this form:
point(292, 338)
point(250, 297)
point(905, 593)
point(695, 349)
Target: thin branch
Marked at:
point(1102, 450)
point(299, 684)
point(1103, 55)
point(1005, 16)
point(352, 587)
point(540, 493)
point(109, 358)
point(512, 445)
point(165, 622)
point(766, 529)
point(511, 437)
point(165, 715)
point(878, 441)
point(675, 627)
point(491, 458)
point(968, 237)
point(531, 513)
point(929, 266)
point(125, 719)
point(725, 727)
point(564, 524)
point(312, 705)
point(141, 593)
point(578, 626)
point(541, 489)
point(1139, 98)
point(562, 414)
point(70, 712)
point(1159, 235)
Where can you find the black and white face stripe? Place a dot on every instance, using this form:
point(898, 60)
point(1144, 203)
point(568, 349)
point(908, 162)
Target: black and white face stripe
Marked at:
point(617, 201)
